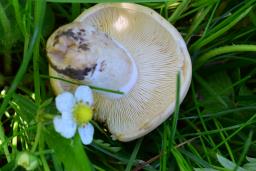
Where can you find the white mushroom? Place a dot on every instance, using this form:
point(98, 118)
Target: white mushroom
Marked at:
point(125, 47)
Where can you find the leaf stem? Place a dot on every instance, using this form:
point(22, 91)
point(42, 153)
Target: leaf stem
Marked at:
point(37, 138)
point(41, 149)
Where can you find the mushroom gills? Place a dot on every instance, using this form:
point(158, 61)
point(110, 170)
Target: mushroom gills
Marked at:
point(84, 53)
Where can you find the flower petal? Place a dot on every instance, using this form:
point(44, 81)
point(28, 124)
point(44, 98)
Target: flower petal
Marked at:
point(65, 102)
point(66, 127)
point(67, 115)
point(84, 94)
point(86, 133)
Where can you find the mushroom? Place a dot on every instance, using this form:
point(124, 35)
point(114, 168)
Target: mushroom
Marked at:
point(84, 53)
point(125, 47)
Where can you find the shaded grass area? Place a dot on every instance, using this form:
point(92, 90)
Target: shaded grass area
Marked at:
point(214, 128)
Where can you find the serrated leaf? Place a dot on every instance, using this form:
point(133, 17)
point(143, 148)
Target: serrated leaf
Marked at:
point(79, 150)
point(250, 166)
point(106, 146)
point(220, 83)
point(215, 91)
point(68, 152)
point(250, 159)
point(46, 103)
point(24, 106)
point(228, 164)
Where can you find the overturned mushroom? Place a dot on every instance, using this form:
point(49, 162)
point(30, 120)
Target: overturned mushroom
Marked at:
point(125, 47)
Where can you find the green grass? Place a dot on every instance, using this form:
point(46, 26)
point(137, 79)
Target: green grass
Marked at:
point(213, 129)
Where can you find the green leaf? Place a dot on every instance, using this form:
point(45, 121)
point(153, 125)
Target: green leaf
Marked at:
point(24, 106)
point(68, 152)
point(223, 27)
point(178, 11)
point(220, 82)
point(46, 103)
point(198, 19)
point(8, 27)
point(82, 159)
point(181, 161)
point(244, 96)
point(195, 158)
point(204, 169)
point(250, 159)
point(49, 21)
point(251, 165)
point(223, 50)
point(106, 146)
point(9, 167)
point(133, 155)
point(215, 91)
point(24, 65)
point(228, 164)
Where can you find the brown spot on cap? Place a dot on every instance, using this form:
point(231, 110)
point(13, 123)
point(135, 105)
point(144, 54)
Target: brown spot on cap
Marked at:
point(102, 66)
point(84, 47)
point(78, 74)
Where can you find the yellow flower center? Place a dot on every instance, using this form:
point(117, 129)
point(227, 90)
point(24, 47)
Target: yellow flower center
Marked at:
point(82, 113)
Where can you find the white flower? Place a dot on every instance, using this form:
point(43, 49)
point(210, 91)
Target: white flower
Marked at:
point(76, 112)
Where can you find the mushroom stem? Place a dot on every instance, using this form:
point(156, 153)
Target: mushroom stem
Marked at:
point(84, 53)
point(131, 76)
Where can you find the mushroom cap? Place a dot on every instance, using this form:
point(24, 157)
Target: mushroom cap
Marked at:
point(84, 53)
point(159, 52)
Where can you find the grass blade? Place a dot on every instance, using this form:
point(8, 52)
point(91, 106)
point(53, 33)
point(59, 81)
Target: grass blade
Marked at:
point(205, 40)
point(134, 154)
point(222, 50)
point(177, 13)
point(177, 109)
point(25, 62)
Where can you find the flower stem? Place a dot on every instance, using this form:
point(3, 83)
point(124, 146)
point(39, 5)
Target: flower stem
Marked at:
point(79, 83)
point(41, 149)
point(37, 138)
